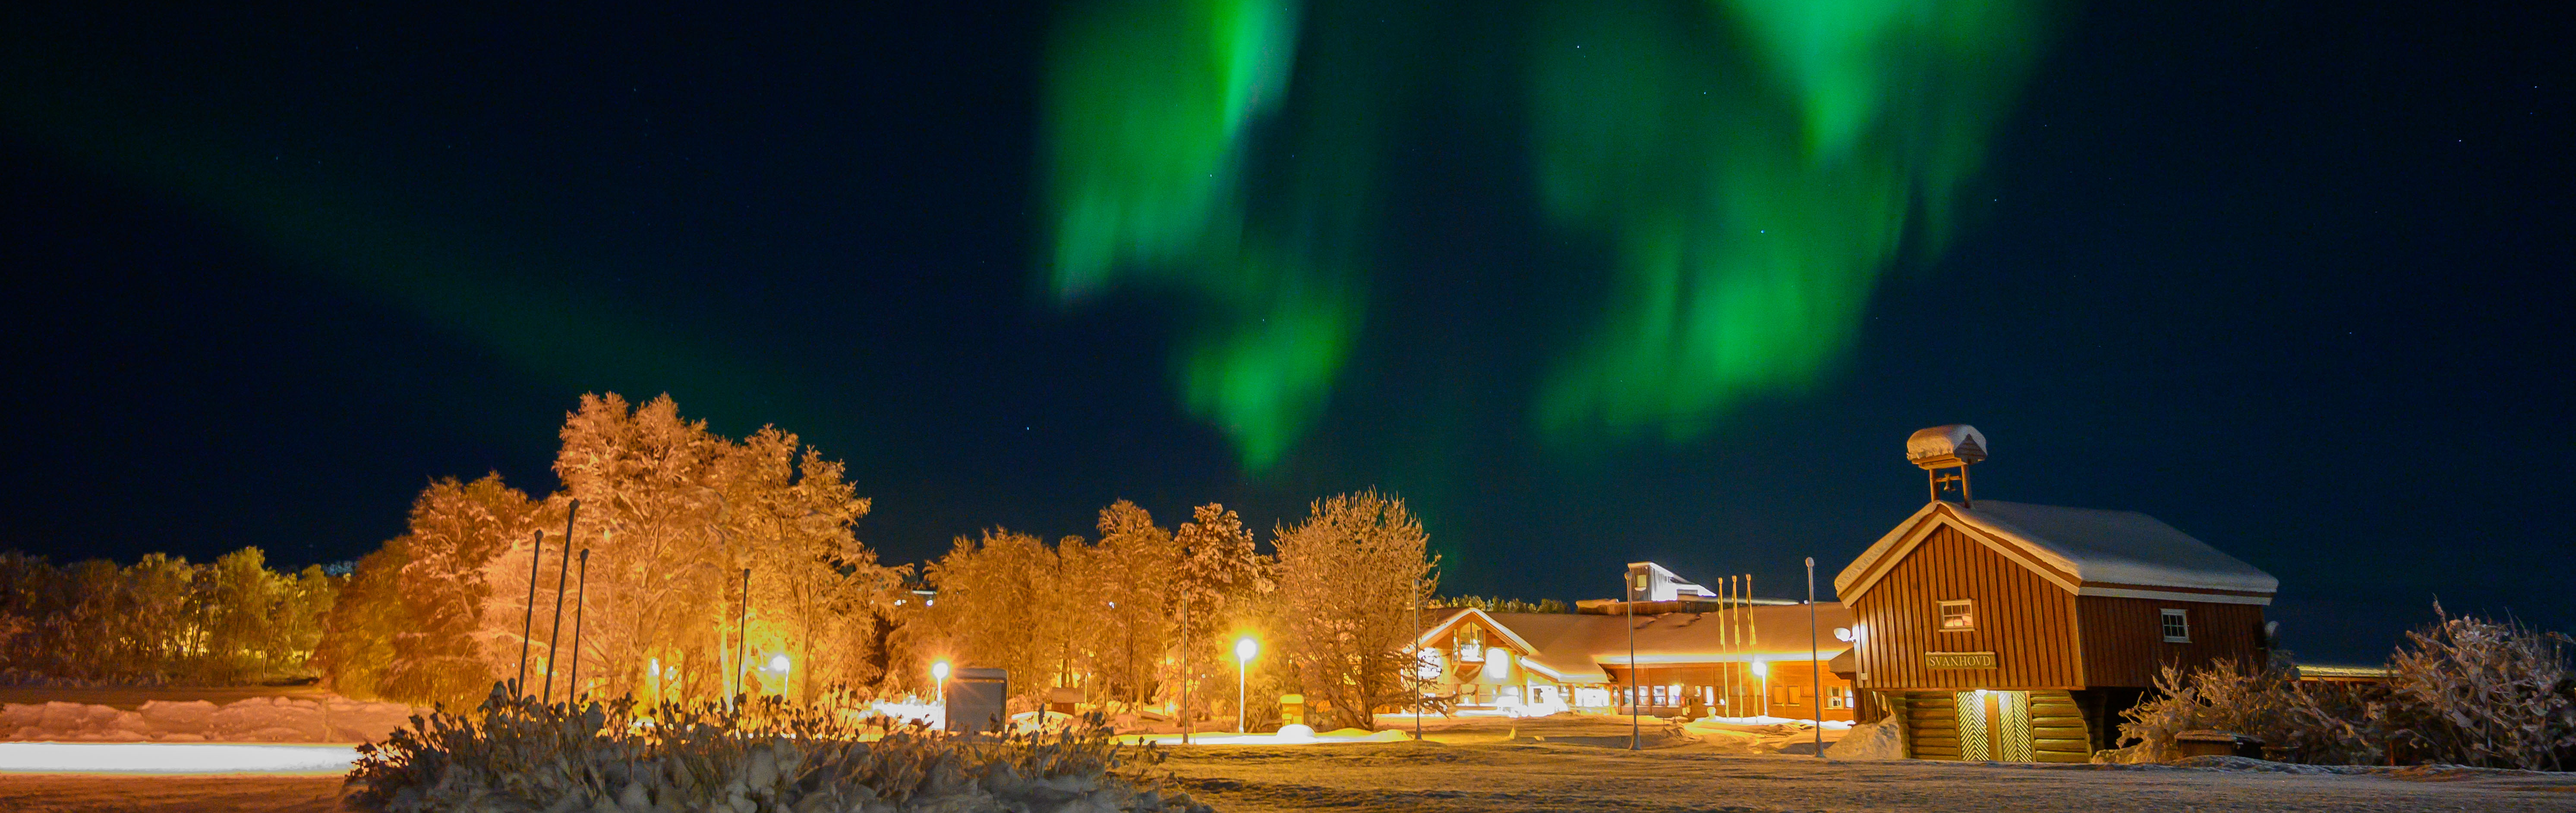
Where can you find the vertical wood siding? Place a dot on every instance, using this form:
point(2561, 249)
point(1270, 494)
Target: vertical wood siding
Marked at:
point(2028, 622)
point(2124, 641)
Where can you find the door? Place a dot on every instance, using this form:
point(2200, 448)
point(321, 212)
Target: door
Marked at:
point(1993, 725)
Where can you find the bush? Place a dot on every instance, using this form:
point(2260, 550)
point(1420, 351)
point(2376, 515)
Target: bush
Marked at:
point(2471, 691)
point(2465, 690)
point(515, 754)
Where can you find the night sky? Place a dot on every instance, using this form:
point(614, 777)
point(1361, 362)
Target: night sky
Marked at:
point(2292, 278)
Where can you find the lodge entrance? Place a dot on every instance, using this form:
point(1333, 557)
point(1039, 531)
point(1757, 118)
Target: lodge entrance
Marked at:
point(1993, 725)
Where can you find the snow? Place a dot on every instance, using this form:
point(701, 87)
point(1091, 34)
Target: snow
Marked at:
point(2109, 547)
point(165, 758)
point(1518, 773)
point(1884, 739)
point(254, 719)
point(1944, 441)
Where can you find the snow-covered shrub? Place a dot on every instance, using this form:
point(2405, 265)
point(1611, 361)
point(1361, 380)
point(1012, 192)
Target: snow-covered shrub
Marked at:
point(2471, 691)
point(515, 754)
point(2307, 723)
point(2464, 691)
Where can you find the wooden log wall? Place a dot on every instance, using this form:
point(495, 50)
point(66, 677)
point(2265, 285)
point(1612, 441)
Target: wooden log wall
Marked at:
point(1931, 725)
point(2057, 729)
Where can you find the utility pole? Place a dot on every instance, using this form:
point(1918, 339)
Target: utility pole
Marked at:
point(554, 630)
point(1627, 593)
point(580, 599)
point(1185, 665)
point(742, 645)
point(528, 619)
point(1815, 668)
point(1417, 659)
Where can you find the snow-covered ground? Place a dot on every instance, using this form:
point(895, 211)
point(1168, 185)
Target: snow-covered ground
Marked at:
point(1544, 776)
point(1567, 762)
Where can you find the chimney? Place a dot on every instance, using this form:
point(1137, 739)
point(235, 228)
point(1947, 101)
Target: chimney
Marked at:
point(1955, 446)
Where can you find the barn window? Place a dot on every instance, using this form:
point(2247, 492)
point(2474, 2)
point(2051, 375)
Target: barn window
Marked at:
point(2177, 627)
point(1958, 616)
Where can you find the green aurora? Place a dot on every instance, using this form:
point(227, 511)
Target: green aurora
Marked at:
point(1752, 166)
point(1157, 115)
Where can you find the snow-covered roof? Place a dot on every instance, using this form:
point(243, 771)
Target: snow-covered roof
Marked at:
point(2085, 550)
point(1945, 441)
point(1573, 647)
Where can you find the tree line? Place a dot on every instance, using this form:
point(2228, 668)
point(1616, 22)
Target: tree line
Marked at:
point(697, 566)
point(162, 619)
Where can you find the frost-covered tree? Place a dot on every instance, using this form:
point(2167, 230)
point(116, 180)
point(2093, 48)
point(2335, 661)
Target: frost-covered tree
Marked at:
point(812, 581)
point(452, 651)
point(991, 606)
point(1348, 579)
point(1221, 587)
point(1135, 563)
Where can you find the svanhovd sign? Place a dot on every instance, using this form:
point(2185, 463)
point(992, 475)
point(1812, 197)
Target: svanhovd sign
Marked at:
point(1959, 660)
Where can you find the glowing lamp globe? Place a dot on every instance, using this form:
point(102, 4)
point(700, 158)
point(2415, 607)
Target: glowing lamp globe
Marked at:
point(1761, 667)
point(1245, 647)
point(778, 663)
point(939, 671)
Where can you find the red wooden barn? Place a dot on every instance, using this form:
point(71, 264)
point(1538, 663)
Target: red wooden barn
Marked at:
point(2006, 631)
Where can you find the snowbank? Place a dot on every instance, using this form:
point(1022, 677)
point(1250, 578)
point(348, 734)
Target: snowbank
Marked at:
point(257, 719)
point(1880, 740)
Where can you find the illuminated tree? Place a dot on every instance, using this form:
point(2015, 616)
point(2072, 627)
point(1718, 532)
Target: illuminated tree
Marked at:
point(1225, 581)
point(812, 582)
point(1348, 577)
point(358, 633)
point(991, 603)
point(451, 650)
point(1135, 562)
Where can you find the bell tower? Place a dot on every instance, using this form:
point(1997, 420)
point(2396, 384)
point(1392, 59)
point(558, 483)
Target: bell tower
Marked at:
point(1942, 449)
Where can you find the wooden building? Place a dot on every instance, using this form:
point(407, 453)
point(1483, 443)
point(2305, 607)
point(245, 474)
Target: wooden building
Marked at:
point(1694, 654)
point(2015, 632)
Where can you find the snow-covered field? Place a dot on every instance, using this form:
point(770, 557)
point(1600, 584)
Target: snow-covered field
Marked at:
point(249, 719)
point(1565, 763)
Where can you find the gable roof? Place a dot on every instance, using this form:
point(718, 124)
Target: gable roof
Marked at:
point(1574, 647)
point(2083, 550)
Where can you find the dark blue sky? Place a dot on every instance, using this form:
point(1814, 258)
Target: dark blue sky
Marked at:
point(2293, 278)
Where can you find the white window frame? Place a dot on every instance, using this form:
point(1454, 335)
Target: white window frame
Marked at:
point(1941, 614)
point(2172, 618)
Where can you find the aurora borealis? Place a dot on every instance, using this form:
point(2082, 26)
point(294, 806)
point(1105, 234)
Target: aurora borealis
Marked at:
point(1586, 283)
point(1754, 165)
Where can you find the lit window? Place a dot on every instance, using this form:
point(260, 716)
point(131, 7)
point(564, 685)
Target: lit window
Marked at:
point(1838, 697)
point(1958, 616)
point(2177, 627)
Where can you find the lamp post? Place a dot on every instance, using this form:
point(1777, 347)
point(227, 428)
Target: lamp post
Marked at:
point(1815, 668)
point(1762, 683)
point(1631, 596)
point(939, 672)
point(1244, 649)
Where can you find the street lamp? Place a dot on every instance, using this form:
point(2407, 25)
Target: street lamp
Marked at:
point(1762, 676)
point(939, 672)
point(1244, 649)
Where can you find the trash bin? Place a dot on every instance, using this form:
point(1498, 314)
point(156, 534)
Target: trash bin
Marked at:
point(978, 700)
point(1292, 709)
point(2213, 743)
